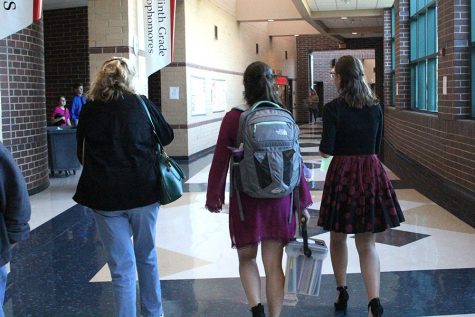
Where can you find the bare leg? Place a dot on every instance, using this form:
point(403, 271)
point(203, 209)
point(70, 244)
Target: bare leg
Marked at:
point(272, 251)
point(249, 274)
point(369, 263)
point(339, 257)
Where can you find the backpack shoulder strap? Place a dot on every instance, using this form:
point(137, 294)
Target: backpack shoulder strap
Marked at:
point(257, 104)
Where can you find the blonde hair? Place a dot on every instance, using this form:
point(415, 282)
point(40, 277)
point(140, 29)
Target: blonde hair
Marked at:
point(353, 87)
point(113, 80)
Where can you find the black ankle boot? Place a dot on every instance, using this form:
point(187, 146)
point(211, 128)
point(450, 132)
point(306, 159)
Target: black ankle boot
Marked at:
point(258, 311)
point(343, 297)
point(376, 308)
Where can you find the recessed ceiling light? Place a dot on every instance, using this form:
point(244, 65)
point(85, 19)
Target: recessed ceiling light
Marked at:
point(270, 20)
point(296, 35)
point(354, 33)
point(344, 18)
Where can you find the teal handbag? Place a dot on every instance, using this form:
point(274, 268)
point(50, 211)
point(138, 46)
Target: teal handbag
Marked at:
point(170, 184)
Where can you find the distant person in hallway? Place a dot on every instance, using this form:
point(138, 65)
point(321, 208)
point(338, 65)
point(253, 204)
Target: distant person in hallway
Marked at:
point(312, 104)
point(15, 212)
point(61, 116)
point(358, 197)
point(119, 183)
point(77, 102)
point(267, 220)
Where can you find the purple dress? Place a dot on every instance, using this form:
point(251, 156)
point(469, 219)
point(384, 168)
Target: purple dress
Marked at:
point(265, 218)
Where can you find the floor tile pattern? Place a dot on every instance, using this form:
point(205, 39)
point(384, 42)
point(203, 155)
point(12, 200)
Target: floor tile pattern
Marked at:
point(427, 264)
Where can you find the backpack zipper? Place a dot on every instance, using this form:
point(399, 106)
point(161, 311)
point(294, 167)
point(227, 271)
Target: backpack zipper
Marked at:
point(269, 123)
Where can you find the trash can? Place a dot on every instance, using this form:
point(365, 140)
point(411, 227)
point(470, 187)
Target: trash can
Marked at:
point(62, 150)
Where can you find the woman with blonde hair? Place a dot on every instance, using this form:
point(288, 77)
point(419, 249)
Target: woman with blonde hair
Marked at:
point(116, 147)
point(358, 197)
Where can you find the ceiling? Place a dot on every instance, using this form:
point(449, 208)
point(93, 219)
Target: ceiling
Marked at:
point(336, 18)
point(339, 19)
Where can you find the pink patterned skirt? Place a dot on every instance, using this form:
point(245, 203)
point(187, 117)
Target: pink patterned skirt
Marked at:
point(358, 196)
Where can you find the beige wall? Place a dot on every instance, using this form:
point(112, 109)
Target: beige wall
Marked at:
point(200, 59)
point(115, 26)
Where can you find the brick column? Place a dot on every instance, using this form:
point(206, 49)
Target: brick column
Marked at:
point(454, 62)
point(388, 87)
point(402, 47)
point(22, 105)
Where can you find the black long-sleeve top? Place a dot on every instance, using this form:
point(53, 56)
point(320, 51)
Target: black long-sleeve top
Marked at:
point(351, 131)
point(119, 160)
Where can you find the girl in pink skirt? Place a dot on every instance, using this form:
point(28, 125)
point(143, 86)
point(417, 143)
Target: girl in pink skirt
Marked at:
point(358, 197)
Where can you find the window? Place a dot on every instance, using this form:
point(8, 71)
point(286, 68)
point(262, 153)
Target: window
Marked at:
point(472, 11)
point(424, 55)
point(393, 56)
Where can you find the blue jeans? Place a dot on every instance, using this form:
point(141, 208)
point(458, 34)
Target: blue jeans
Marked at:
point(3, 286)
point(125, 258)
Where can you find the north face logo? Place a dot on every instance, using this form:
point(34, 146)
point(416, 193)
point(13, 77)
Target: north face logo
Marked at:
point(281, 132)
point(277, 190)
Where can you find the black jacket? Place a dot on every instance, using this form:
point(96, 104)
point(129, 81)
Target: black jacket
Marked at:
point(119, 170)
point(15, 209)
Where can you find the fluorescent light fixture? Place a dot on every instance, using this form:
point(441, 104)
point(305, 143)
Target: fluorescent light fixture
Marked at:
point(354, 33)
point(270, 20)
point(296, 35)
point(344, 18)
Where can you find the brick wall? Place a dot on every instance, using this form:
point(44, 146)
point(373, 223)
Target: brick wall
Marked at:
point(388, 87)
point(307, 44)
point(375, 43)
point(402, 47)
point(155, 88)
point(455, 64)
point(66, 53)
point(441, 144)
point(322, 65)
point(22, 90)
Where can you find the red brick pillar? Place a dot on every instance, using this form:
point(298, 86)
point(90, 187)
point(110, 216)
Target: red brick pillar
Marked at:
point(22, 106)
point(387, 58)
point(454, 58)
point(402, 47)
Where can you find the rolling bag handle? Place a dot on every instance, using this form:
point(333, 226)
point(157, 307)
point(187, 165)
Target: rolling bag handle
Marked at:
point(306, 249)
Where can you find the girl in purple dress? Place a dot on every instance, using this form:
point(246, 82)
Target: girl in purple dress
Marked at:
point(266, 220)
point(358, 197)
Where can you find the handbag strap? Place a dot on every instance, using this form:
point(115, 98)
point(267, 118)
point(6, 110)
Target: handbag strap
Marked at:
point(150, 119)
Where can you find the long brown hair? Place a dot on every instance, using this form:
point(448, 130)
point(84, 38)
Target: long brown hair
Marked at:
point(353, 87)
point(113, 80)
point(259, 84)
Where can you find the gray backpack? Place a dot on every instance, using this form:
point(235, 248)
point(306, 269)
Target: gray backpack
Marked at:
point(270, 167)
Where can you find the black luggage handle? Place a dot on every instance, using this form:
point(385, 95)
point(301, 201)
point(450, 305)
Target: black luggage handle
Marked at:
point(306, 249)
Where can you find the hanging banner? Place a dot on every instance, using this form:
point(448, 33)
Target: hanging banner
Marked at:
point(159, 24)
point(15, 16)
point(37, 9)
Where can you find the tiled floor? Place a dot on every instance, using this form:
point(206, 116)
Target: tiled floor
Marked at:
point(427, 264)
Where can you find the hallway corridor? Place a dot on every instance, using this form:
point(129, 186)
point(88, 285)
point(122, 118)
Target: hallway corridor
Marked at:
point(427, 264)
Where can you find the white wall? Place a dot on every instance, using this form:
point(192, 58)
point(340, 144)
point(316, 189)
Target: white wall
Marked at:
point(208, 60)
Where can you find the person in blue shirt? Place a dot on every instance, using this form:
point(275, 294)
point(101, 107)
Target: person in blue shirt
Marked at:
point(15, 212)
point(77, 102)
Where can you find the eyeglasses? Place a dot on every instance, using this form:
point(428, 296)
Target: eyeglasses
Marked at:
point(332, 74)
